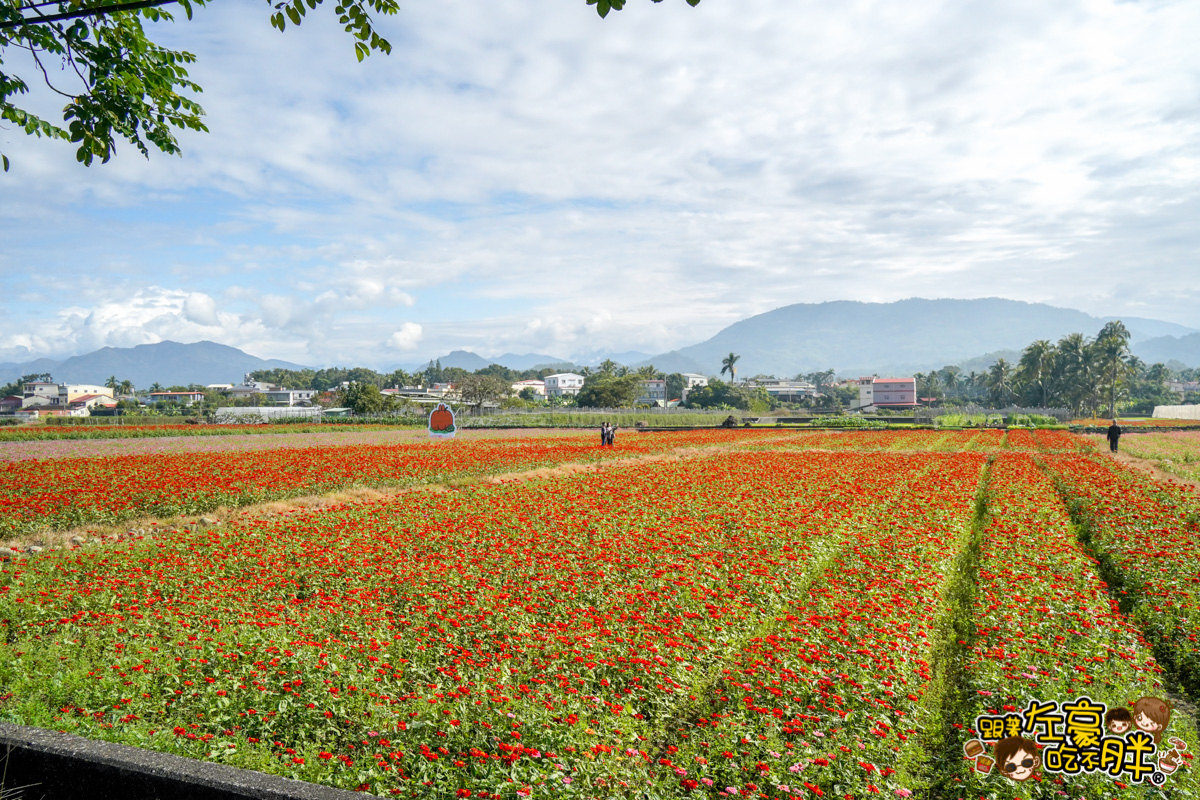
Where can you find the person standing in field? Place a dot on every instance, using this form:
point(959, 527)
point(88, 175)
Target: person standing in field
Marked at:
point(612, 435)
point(1114, 434)
point(604, 433)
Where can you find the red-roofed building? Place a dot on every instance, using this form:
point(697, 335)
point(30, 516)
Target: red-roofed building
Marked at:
point(10, 404)
point(894, 393)
point(82, 405)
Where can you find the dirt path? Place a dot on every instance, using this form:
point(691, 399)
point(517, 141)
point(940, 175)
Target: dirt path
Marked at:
point(1150, 468)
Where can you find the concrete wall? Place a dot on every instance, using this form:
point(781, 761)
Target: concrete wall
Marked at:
point(47, 765)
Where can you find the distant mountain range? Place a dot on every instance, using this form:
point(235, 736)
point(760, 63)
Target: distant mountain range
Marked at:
point(167, 363)
point(908, 336)
point(850, 337)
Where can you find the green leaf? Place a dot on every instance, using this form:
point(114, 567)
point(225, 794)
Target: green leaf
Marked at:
point(360, 50)
point(293, 15)
point(4, 161)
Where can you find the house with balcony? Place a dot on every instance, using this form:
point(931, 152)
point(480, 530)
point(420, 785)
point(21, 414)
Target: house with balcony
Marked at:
point(290, 397)
point(784, 391)
point(890, 393)
point(39, 393)
point(653, 393)
point(563, 384)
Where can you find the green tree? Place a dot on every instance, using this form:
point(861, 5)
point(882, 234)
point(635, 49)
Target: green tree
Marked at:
point(999, 382)
point(675, 384)
point(479, 389)
point(608, 390)
point(604, 6)
point(17, 388)
point(1035, 370)
point(729, 364)
point(364, 398)
point(719, 394)
point(1112, 348)
point(118, 84)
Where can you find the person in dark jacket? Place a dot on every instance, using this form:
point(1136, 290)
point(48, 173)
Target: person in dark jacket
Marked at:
point(1114, 434)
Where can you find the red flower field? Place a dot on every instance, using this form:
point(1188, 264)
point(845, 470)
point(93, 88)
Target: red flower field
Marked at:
point(763, 614)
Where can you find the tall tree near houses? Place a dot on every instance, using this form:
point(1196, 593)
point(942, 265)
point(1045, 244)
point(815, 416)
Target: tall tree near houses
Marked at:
point(729, 364)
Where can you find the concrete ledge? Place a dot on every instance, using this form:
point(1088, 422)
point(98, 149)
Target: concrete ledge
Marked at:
point(47, 765)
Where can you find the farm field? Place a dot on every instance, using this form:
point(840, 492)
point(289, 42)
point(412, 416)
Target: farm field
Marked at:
point(25, 433)
point(55, 493)
point(1177, 452)
point(706, 614)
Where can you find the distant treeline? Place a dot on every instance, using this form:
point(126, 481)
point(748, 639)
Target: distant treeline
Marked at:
point(1077, 373)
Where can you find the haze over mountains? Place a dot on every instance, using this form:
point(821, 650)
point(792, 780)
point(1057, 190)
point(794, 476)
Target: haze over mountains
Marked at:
point(850, 337)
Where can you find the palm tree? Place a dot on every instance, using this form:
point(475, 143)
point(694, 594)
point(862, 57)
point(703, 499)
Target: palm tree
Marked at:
point(649, 373)
point(949, 377)
point(1034, 368)
point(1112, 346)
point(999, 381)
point(112, 383)
point(126, 387)
point(729, 364)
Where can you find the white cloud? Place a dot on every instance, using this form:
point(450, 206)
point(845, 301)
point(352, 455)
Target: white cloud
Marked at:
point(529, 177)
point(406, 338)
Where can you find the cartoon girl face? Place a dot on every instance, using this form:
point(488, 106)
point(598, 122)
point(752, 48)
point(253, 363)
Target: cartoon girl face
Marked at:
point(1151, 715)
point(1144, 722)
point(1118, 726)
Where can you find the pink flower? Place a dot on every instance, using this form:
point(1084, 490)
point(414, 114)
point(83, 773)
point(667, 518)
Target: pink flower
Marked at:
point(904, 793)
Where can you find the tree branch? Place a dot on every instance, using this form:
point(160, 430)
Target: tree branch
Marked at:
point(95, 11)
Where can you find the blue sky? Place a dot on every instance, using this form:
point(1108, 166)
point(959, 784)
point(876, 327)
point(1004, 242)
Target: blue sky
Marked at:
point(527, 177)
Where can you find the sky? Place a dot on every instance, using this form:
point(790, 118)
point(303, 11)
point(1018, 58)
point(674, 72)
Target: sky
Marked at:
point(527, 177)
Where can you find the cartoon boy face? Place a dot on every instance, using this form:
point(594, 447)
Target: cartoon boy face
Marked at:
point(1119, 720)
point(1017, 758)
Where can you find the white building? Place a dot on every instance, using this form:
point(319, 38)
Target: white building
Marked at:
point(40, 393)
point(291, 397)
point(539, 387)
point(694, 379)
point(563, 384)
point(653, 393)
point(182, 398)
point(784, 390)
point(68, 393)
point(60, 395)
point(898, 393)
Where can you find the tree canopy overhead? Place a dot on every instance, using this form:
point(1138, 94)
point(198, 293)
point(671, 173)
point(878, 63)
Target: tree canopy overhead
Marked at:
point(118, 84)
